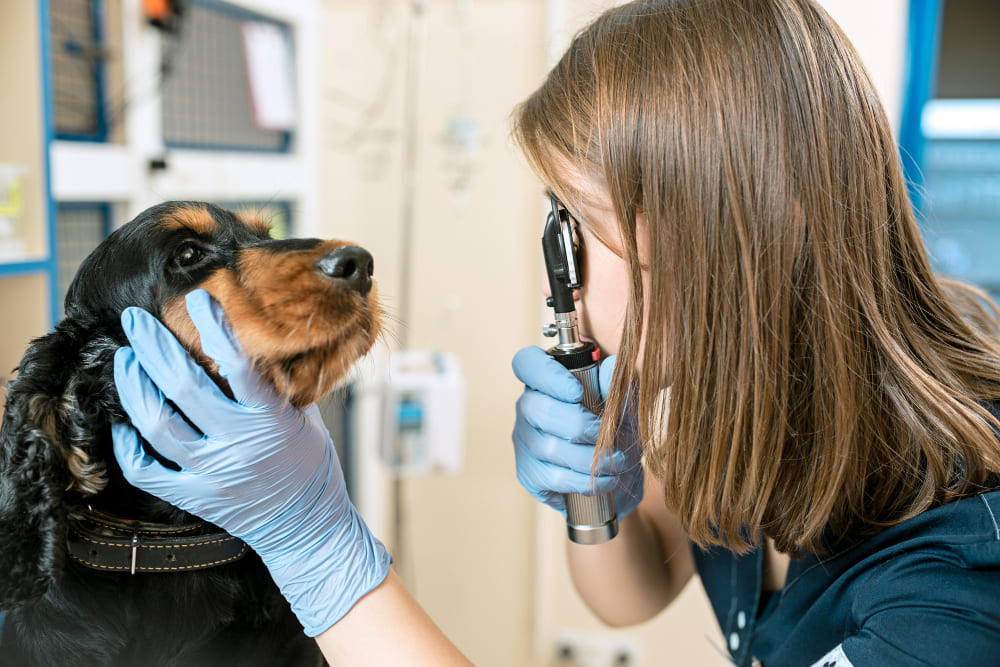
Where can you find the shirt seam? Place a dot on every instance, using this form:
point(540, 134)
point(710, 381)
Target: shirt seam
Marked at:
point(993, 518)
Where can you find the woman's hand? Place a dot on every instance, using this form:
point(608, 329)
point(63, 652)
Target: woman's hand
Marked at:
point(554, 437)
point(256, 466)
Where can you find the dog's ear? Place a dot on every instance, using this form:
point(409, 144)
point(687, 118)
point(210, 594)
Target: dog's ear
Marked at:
point(41, 461)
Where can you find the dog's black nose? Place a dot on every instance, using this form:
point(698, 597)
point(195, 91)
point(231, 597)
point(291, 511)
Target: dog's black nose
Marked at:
point(351, 264)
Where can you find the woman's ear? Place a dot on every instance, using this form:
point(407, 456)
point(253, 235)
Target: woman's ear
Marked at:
point(38, 465)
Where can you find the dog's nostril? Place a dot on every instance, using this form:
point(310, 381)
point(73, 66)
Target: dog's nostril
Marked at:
point(352, 265)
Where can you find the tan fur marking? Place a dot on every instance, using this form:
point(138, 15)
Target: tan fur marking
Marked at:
point(86, 476)
point(192, 217)
point(253, 220)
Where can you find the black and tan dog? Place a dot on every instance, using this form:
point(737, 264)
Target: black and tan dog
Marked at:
point(96, 572)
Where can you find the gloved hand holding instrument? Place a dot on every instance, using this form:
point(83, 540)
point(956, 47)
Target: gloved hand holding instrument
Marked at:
point(554, 437)
point(254, 465)
point(560, 474)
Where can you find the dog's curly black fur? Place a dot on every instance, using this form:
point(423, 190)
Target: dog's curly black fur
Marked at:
point(301, 314)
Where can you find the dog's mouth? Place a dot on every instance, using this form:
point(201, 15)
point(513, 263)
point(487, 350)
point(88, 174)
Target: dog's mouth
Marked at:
point(303, 316)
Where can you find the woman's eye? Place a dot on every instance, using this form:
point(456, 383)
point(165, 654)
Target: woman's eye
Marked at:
point(188, 255)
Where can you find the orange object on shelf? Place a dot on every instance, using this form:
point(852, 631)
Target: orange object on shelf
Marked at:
point(158, 10)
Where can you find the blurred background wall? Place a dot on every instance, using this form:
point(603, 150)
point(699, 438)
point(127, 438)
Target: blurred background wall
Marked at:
point(386, 122)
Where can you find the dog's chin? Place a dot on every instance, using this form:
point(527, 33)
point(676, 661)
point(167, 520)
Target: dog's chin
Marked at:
point(311, 375)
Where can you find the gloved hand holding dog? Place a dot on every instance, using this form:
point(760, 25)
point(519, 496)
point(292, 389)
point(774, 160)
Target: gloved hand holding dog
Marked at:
point(554, 437)
point(256, 466)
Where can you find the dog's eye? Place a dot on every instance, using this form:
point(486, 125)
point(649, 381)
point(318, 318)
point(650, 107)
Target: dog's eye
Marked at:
point(188, 254)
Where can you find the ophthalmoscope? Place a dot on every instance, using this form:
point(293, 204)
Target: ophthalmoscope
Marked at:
point(589, 519)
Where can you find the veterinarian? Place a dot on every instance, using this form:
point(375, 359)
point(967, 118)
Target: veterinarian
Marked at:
point(816, 410)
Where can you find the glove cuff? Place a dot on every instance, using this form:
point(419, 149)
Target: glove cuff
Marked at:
point(323, 586)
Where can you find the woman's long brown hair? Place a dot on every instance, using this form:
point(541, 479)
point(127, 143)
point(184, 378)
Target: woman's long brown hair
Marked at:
point(803, 369)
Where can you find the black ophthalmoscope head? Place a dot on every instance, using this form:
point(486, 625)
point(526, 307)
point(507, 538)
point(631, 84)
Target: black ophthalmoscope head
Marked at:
point(561, 264)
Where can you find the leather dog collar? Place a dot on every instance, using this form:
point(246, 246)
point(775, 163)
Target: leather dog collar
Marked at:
point(110, 543)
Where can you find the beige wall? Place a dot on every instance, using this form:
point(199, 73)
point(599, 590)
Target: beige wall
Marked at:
point(25, 299)
point(484, 558)
point(26, 315)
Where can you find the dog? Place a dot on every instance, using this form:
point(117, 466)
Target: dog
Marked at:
point(94, 571)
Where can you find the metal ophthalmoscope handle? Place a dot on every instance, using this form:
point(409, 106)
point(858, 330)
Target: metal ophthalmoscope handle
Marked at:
point(590, 519)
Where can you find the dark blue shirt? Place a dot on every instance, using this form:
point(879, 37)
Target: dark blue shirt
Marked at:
point(924, 592)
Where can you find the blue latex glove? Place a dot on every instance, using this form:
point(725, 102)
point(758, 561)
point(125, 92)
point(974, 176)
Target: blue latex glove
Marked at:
point(258, 467)
point(554, 437)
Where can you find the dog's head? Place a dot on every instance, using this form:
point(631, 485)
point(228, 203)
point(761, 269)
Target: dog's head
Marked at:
point(303, 310)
